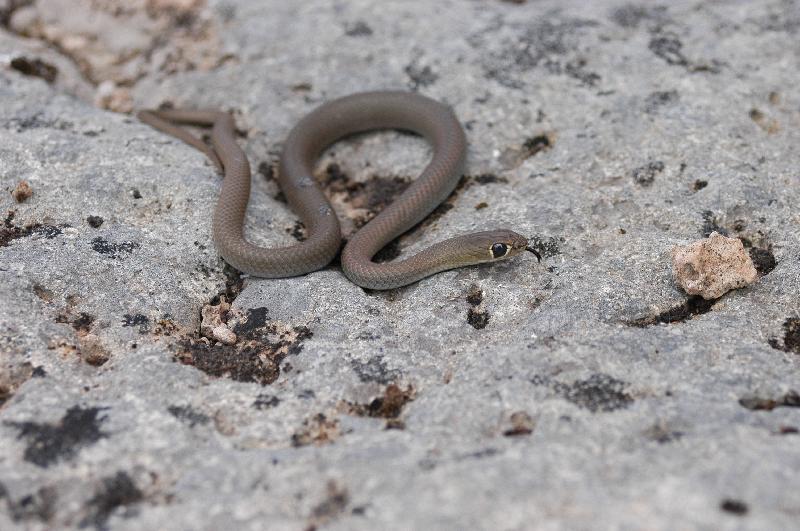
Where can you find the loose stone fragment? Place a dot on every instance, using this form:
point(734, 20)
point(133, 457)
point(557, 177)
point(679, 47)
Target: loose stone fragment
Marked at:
point(92, 350)
point(22, 191)
point(223, 334)
point(712, 267)
point(521, 424)
point(213, 324)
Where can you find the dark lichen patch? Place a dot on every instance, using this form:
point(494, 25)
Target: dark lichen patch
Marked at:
point(255, 319)
point(668, 48)
point(420, 76)
point(388, 406)
point(757, 403)
point(486, 178)
point(265, 401)
point(378, 192)
point(46, 231)
point(359, 28)
point(548, 44)
point(298, 231)
point(306, 394)
point(40, 505)
point(374, 370)
point(242, 363)
point(94, 221)
point(477, 318)
point(662, 434)
point(82, 323)
point(10, 231)
point(662, 98)
point(113, 250)
point(142, 322)
point(763, 260)
point(115, 492)
point(50, 443)
point(34, 67)
point(536, 144)
point(546, 246)
point(736, 507)
point(474, 295)
point(165, 327)
point(368, 197)
point(699, 184)
point(269, 171)
point(233, 284)
point(37, 121)
point(711, 224)
point(599, 392)
point(335, 504)
point(576, 69)
point(645, 175)
point(189, 415)
point(513, 156)
point(256, 357)
point(791, 337)
point(690, 308)
point(521, 424)
point(317, 430)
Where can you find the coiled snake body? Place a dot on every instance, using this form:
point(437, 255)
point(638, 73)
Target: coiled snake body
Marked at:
point(322, 127)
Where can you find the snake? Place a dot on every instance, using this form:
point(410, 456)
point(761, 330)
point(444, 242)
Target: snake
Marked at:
point(327, 124)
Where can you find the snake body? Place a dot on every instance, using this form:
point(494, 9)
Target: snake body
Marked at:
point(322, 127)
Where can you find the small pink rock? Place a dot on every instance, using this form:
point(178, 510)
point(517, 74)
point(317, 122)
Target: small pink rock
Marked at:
point(22, 191)
point(213, 324)
point(712, 267)
point(224, 335)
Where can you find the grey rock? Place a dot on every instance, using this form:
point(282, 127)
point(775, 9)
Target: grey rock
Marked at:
point(595, 395)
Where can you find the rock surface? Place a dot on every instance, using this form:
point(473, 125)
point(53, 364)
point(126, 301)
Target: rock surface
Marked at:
point(585, 392)
point(713, 267)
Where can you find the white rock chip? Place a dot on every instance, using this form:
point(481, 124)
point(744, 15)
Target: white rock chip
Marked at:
point(213, 323)
point(713, 267)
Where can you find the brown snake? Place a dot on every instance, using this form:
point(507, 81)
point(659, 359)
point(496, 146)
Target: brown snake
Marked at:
point(322, 127)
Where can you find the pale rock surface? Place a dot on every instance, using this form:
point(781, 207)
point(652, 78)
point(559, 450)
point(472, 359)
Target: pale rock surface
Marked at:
point(584, 392)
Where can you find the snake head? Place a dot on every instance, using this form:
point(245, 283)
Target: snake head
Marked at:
point(498, 244)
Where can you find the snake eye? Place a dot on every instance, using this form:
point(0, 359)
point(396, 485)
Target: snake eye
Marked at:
point(499, 250)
